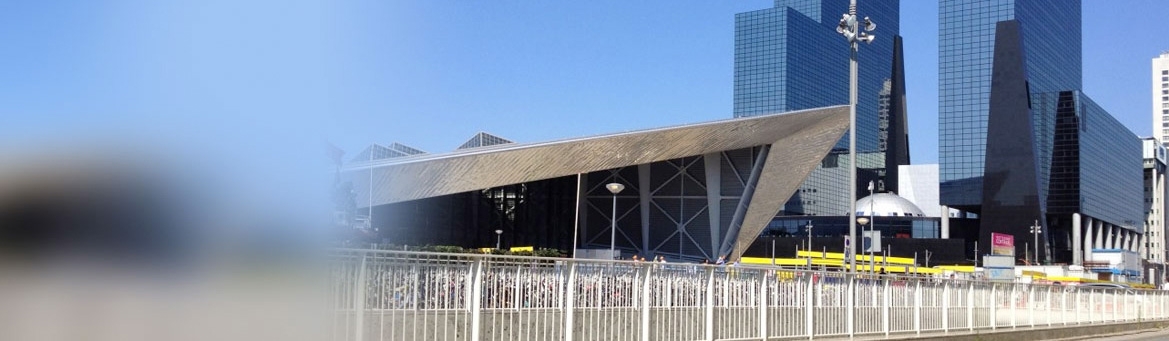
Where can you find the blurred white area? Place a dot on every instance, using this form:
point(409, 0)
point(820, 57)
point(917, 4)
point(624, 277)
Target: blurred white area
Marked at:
point(105, 241)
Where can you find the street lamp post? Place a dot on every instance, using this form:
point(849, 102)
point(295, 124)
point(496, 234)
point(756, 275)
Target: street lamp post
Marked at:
point(865, 221)
point(498, 234)
point(873, 220)
point(809, 229)
point(848, 28)
point(614, 188)
point(1035, 231)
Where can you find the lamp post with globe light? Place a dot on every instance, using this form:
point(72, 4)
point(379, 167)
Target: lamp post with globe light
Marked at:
point(614, 188)
point(848, 27)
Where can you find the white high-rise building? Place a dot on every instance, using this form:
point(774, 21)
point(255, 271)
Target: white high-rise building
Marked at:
point(1161, 97)
point(1154, 248)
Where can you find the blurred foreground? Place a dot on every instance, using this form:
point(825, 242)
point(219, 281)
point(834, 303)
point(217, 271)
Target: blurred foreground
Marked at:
point(121, 244)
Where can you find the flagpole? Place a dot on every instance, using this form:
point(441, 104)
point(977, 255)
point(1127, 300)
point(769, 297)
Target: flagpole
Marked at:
point(371, 185)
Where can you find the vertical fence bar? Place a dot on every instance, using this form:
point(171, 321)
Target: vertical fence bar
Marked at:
point(970, 305)
point(359, 300)
point(1076, 307)
point(994, 305)
point(851, 302)
point(476, 300)
point(763, 306)
point(917, 308)
point(710, 304)
point(1014, 306)
point(570, 303)
point(645, 300)
point(809, 307)
point(1115, 314)
point(946, 308)
point(888, 302)
point(1048, 303)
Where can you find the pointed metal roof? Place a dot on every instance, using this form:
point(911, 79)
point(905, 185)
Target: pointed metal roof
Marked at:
point(483, 139)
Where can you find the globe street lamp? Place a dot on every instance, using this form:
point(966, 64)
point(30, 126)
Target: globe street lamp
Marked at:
point(614, 188)
point(848, 28)
point(498, 234)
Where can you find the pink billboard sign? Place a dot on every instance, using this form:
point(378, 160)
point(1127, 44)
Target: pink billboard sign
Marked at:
point(1002, 244)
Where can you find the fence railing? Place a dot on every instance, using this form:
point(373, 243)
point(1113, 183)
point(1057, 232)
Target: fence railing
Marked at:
point(389, 295)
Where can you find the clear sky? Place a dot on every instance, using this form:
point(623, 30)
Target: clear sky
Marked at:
point(256, 76)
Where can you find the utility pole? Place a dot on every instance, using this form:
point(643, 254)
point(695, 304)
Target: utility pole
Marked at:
point(1035, 231)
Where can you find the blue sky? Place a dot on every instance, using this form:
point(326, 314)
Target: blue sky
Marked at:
point(259, 77)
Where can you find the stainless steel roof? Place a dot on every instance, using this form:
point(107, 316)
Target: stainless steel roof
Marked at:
point(887, 205)
point(799, 140)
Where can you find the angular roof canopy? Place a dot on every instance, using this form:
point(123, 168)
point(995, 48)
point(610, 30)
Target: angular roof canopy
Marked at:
point(796, 141)
point(429, 175)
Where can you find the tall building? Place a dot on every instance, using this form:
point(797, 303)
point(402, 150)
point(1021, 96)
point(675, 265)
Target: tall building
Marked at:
point(1155, 193)
point(1161, 97)
point(966, 43)
point(1021, 146)
point(789, 57)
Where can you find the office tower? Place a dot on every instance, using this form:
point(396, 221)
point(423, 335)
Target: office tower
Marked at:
point(1155, 193)
point(966, 37)
point(1020, 145)
point(1161, 97)
point(789, 57)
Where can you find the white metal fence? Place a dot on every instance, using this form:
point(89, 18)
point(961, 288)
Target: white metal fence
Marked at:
point(390, 295)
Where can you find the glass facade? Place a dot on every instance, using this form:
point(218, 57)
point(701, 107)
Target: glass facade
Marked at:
point(966, 36)
point(1110, 167)
point(790, 57)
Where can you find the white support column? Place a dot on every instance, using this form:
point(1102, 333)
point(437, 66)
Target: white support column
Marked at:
point(645, 194)
point(1099, 234)
point(1117, 237)
point(1109, 236)
point(1089, 234)
point(712, 162)
point(1077, 246)
point(945, 222)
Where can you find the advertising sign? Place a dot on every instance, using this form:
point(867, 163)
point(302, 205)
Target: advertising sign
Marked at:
point(871, 241)
point(1000, 274)
point(1002, 244)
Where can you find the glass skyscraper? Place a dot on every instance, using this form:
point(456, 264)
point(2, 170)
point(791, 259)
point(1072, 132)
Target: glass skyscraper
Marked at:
point(1020, 145)
point(1050, 31)
point(789, 57)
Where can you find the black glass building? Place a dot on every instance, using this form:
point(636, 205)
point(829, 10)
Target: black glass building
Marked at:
point(1020, 145)
point(1050, 39)
point(789, 57)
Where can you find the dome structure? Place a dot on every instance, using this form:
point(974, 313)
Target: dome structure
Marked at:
point(887, 205)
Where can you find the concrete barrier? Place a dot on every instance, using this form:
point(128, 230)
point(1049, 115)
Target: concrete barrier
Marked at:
point(1039, 333)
